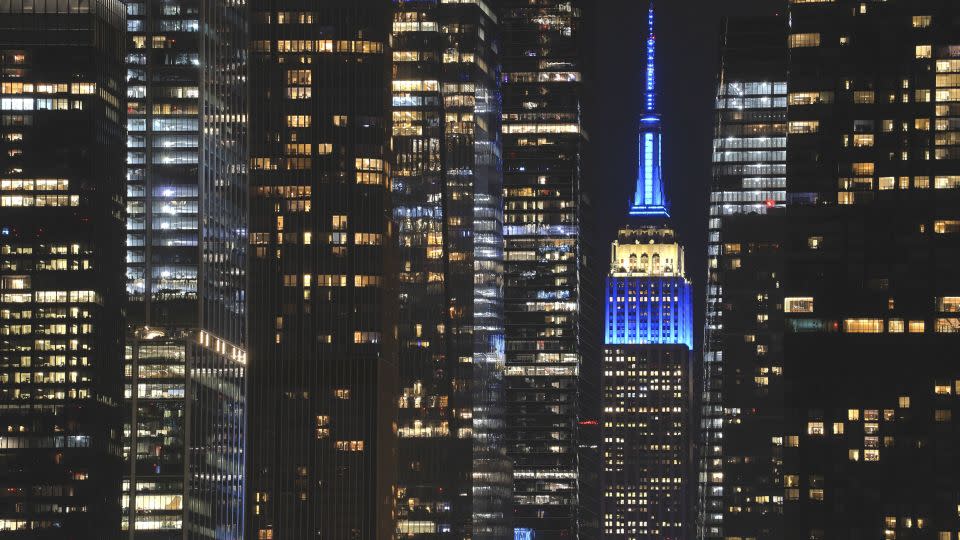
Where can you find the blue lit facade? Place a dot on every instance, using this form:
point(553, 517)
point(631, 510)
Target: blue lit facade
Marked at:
point(656, 310)
point(649, 200)
point(648, 297)
point(646, 380)
point(523, 534)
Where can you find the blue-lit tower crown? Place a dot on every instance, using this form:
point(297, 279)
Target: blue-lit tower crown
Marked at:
point(649, 199)
point(649, 300)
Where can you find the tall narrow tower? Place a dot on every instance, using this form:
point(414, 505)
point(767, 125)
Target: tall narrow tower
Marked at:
point(551, 349)
point(649, 200)
point(648, 335)
point(61, 284)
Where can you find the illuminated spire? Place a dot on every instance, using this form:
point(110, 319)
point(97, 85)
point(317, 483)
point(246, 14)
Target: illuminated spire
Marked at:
point(651, 64)
point(649, 199)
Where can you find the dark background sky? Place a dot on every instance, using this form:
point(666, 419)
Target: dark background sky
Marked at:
point(688, 38)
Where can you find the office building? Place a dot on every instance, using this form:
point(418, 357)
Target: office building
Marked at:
point(324, 373)
point(740, 490)
point(186, 269)
point(61, 268)
point(648, 336)
point(870, 282)
point(552, 351)
point(453, 472)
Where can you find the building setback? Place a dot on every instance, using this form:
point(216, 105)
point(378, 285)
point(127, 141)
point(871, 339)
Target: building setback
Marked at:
point(454, 475)
point(741, 493)
point(323, 373)
point(61, 277)
point(551, 348)
point(871, 295)
point(646, 451)
point(186, 269)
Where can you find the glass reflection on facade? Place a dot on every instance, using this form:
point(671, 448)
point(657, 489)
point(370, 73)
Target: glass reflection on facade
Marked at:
point(323, 373)
point(551, 348)
point(872, 262)
point(742, 396)
point(186, 268)
point(61, 277)
point(454, 476)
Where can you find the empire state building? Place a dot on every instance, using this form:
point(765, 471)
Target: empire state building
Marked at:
point(648, 329)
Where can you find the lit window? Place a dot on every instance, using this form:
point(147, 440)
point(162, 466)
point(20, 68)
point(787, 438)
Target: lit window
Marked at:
point(298, 121)
point(861, 140)
point(946, 226)
point(863, 326)
point(923, 51)
point(810, 98)
point(299, 76)
point(895, 326)
point(862, 169)
point(948, 325)
point(804, 127)
point(948, 304)
point(802, 304)
point(804, 40)
point(946, 182)
point(350, 446)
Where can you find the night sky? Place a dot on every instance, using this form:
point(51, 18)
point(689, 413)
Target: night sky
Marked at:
point(688, 37)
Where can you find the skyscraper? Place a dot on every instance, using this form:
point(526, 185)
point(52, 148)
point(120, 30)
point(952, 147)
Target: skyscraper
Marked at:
point(323, 374)
point(550, 345)
point(454, 475)
point(648, 335)
point(870, 285)
point(741, 492)
point(186, 269)
point(61, 277)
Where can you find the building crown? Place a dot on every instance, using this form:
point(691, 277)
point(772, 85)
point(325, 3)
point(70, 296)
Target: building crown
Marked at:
point(649, 199)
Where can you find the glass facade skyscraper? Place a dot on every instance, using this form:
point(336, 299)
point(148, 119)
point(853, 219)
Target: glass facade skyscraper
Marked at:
point(829, 318)
point(61, 268)
point(186, 269)
point(454, 475)
point(324, 370)
point(740, 490)
point(550, 348)
point(872, 257)
point(646, 386)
